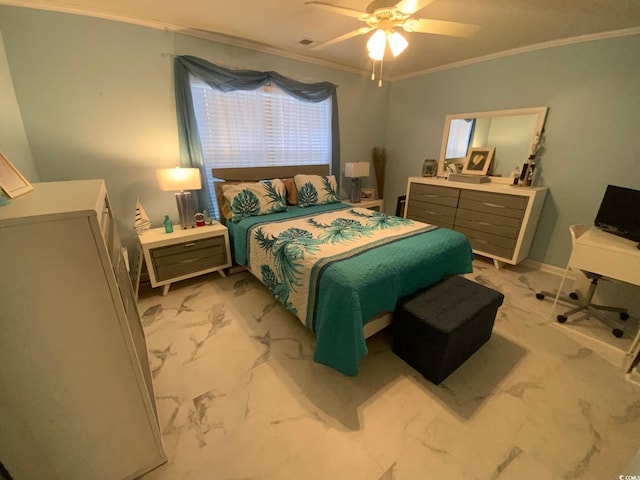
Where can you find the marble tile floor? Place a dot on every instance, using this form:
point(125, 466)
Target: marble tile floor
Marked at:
point(239, 396)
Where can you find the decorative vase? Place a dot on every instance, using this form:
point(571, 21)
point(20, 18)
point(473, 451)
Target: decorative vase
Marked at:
point(379, 155)
point(168, 225)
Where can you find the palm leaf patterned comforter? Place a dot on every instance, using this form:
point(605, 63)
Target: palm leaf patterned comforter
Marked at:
point(336, 267)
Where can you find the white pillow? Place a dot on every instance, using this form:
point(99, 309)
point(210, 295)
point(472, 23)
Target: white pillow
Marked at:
point(316, 190)
point(256, 198)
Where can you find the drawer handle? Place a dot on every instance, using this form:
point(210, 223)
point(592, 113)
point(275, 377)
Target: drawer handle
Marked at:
point(495, 205)
point(185, 245)
point(483, 223)
point(432, 212)
point(190, 260)
point(431, 195)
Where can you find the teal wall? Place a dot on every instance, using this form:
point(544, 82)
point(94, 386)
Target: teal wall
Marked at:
point(592, 90)
point(97, 101)
point(13, 138)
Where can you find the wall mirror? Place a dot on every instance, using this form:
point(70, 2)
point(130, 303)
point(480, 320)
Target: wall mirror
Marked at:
point(510, 132)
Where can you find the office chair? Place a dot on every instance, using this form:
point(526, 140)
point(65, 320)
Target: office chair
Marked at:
point(582, 304)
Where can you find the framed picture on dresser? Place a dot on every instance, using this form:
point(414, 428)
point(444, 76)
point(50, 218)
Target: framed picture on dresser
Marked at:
point(11, 180)
point(478, 160)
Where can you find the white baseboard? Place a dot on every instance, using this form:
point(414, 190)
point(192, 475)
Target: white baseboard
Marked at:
point(633, 377)
point(558, 271)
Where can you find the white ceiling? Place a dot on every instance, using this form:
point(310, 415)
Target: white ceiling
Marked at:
point(279, 25)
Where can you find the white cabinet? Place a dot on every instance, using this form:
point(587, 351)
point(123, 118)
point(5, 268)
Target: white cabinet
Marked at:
point(499, 220)
point(76, 398)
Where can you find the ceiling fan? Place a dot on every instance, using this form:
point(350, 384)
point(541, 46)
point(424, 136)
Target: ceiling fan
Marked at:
point(383, 18)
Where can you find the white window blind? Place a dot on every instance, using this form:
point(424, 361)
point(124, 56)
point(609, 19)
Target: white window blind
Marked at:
point(262, 127)
point(459, 138)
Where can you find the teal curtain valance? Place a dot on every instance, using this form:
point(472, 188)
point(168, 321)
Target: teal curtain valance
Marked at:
point(227, 80)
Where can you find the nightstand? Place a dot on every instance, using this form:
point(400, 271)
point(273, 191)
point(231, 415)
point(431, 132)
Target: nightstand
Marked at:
point(371, 204)
point(182, 254)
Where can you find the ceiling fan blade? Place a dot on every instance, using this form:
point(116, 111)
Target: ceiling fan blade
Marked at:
point(440, 27)
point(346, 36)
point(412, 6)
point(349, 12)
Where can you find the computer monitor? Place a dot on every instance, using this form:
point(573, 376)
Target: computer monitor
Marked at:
point(619, 212)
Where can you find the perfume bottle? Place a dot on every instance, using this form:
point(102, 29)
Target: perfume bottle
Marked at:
point(168, 226)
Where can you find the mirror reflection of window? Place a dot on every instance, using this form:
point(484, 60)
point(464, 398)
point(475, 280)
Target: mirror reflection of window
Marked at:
point(460, 134)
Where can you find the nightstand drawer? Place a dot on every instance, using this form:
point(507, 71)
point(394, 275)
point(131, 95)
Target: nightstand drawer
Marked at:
point(188, 257)
point(188, 246)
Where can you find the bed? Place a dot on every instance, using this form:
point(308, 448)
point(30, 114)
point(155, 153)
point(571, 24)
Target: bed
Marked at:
point(340, 269)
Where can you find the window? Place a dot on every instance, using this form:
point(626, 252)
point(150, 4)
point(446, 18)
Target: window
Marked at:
point(263, 127)
point(459, 137)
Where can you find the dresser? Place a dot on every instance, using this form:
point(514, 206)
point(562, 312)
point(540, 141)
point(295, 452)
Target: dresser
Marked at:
point(499, 220)
point(76, 394)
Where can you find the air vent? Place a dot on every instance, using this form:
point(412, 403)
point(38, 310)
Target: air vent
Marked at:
point(305, 42)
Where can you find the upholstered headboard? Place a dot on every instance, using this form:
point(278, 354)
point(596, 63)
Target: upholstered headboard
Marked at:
point(255, 174)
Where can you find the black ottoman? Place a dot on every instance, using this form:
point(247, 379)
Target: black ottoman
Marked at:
point(437, 329)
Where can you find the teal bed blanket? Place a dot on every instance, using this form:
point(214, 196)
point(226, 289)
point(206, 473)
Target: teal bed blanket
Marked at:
point(336, 267)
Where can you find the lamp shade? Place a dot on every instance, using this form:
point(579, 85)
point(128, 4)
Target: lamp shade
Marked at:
point(356, 169)
point(397, 43)
point(377, 45)
point(178, 179)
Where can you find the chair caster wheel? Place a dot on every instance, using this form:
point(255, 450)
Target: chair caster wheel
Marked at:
point(561, 318)
point(539, 296)
point(573, 295)
point(624, 316)
point(617, 333)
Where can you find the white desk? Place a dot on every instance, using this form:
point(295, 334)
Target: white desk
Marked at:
point(609, 255)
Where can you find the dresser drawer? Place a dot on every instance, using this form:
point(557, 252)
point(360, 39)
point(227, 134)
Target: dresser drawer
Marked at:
point(188, 257)
point(435, 214)
point(433, 194)
point(487, 243)
point(494, 203)
point(488, 222)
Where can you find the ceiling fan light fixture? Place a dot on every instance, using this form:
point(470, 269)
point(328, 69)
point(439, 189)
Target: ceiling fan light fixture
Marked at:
point(376, 45)
point(397, 43)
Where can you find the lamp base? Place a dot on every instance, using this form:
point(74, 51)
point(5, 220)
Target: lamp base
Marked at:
point(356, 190)
point(185, 210)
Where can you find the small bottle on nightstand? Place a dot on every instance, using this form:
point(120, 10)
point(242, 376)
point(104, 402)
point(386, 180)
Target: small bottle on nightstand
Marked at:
point(168, 226)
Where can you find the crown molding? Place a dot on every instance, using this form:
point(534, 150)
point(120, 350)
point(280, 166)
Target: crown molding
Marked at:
point(529, 48)
point(203, 34)
point(263, 48)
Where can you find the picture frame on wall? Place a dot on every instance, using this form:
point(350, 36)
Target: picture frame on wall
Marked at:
point(12, 182)
point(478, 160)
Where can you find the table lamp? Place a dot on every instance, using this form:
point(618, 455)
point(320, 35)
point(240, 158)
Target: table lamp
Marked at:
point(179, 180)
point(355, 171)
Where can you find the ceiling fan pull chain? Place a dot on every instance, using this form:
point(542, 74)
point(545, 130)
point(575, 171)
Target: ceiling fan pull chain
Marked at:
point(373, 71)
point(380, 78)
